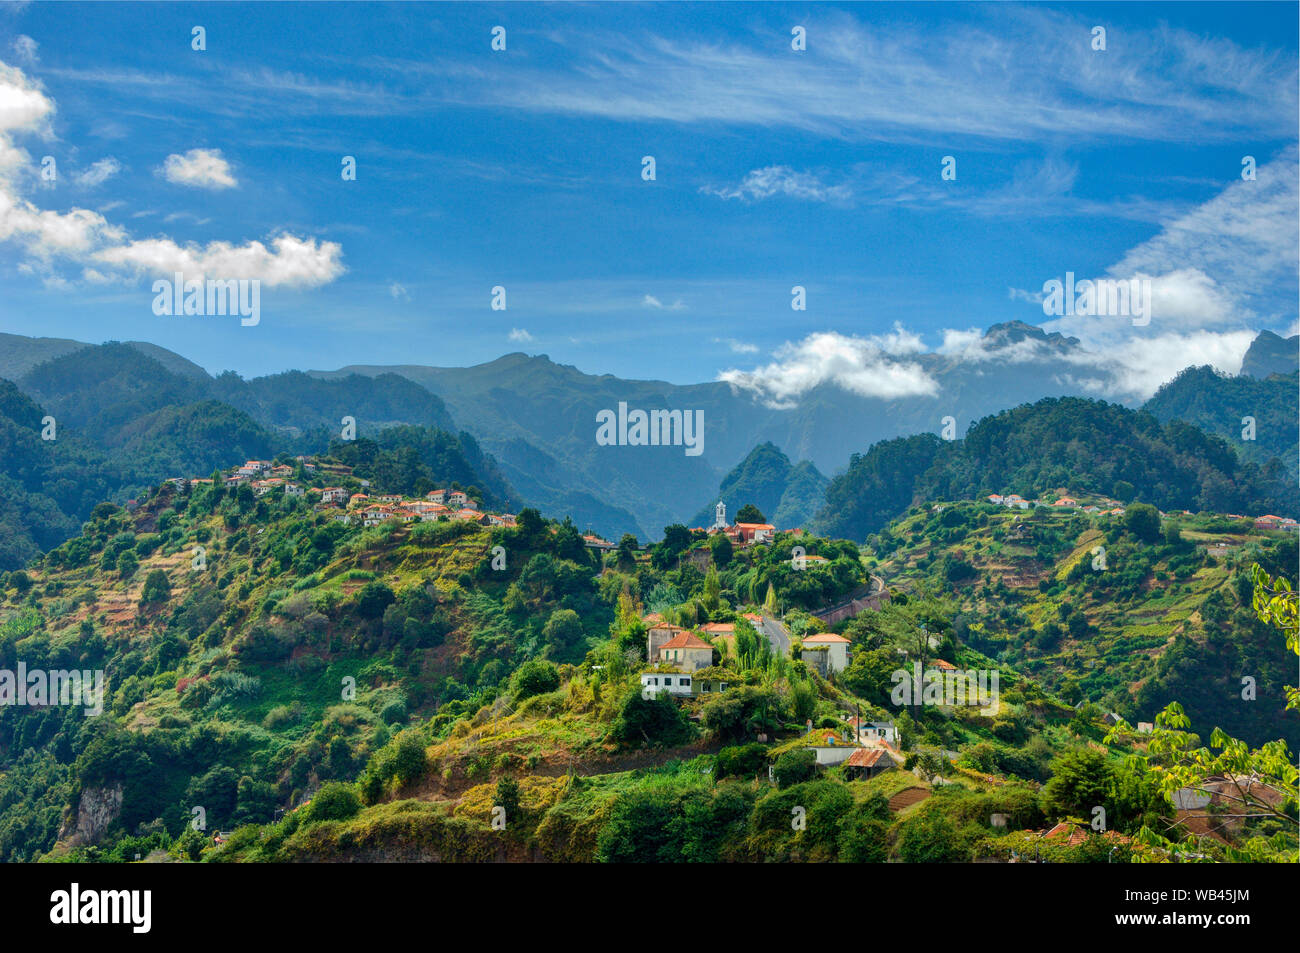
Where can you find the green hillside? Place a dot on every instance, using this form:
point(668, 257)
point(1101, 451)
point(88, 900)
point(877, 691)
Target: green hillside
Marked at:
point(788, 494)
point(1087, 445)
point(330, 691)
point(122, 422)
point(1219, 404)
point(1163, 614)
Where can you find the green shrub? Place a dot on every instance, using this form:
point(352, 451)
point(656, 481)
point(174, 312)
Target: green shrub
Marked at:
point(739, 761)
point(650, 721)
point(335, 801)
point(393, 713)
point(795, 767)
point(534, 677)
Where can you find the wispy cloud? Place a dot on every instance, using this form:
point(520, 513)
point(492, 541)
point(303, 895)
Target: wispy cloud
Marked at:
point(1225, 265)
point(650, 301)
point(98, 173)
point(1003, 74)
point(736, 346)
point(1025, 74)
point(25, 49)
point(784, 181)
point(520, 336)
point(1035, 189)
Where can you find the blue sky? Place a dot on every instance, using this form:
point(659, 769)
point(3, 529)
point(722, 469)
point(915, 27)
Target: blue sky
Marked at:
point(775, 168)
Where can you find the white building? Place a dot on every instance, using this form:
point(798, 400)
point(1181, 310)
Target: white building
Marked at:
point(835, 646)
point(829, 746)
point(880, 731)
point(675, 683)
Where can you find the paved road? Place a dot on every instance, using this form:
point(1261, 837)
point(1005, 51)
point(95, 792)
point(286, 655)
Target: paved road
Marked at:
point(778, 636)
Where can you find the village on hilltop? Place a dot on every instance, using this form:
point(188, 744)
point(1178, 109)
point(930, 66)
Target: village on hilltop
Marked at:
point(349, 507)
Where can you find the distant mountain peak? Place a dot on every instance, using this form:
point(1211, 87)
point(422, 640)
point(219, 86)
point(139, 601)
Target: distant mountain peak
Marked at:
point(1269, 354)
point(1007, 333)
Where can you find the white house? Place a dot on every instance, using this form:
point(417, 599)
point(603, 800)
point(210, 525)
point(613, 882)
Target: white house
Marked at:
point(880, 731)
point(675, 683)
point(334, 494)
point(830, 747)
point(835, 646)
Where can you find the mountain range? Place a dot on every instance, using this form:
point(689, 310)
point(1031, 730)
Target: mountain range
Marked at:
point(535, 420)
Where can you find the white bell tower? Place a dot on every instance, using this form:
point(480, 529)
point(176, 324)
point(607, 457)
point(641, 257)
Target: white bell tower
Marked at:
point(720, 516)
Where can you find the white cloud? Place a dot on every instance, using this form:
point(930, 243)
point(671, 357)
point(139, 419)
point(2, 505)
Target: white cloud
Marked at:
point(185, 217)
point(1000, 72)
point(1020, 294)
point(971, 346)
point(91, 242)
point(1217, 274)
point(650, 301)
point(289, 261)
point(898, 342)
point(1134, 368)
point(861, 365)
point(737, 347)
point(519, 335)
point(398, 291)
point(24, 107)
point(200, 168)
point(98, 173)
point(782, 180)
point(25, 48)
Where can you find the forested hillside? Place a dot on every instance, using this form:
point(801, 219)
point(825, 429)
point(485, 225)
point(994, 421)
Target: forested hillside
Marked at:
point(788, 494)
point(122, 422)
point(1220, 404)
point(1082, 445)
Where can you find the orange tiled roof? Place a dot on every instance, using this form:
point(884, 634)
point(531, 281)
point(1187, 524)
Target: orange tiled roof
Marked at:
point(824, 637)
point(685, 640)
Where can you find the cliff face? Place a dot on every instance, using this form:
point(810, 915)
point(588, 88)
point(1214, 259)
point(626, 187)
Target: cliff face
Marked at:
point(1270, 354)
point(96, 810)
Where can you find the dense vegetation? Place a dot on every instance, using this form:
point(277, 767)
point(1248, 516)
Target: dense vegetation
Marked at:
point(1084, 445)
point(789, 494)
point(330, 692)
point(457, 692)
point(1218, 404)
point(123, 422)
point(1164, 616)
